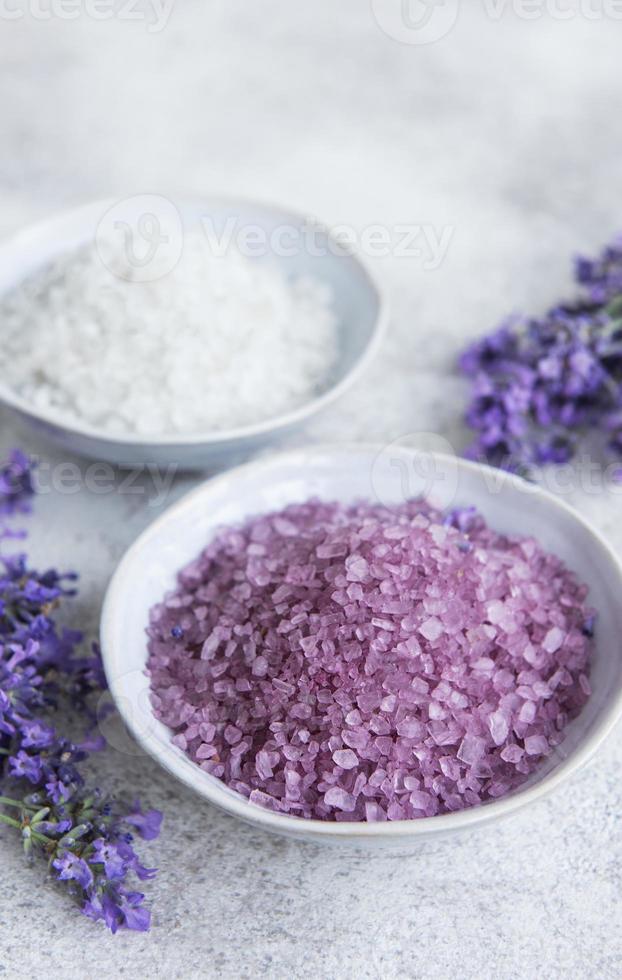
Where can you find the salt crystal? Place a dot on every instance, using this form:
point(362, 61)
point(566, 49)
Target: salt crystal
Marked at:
point(410, 647)
point(356, 568)
point(353, 717)
point(263, 799)
point(436, 712)
point(450, 767)
point(207, 731)
point(471, 749)
point(337, 687)
point(232, 734)
point(374, 813)
point(259, 667)
point(512, 753)
point(553, 640)
point(262, 765)
point(337, 797)
point(421, 800)
point(301, 711)
point(384, 744)
point(395, 811)
point(432, 628)
point(383, 624)
point(356, 739)
point(379, 725)
point(499, 728)
point(528, 712)
point(346, 759)
point(217, 342)
point(495, 611)
point(536, 745)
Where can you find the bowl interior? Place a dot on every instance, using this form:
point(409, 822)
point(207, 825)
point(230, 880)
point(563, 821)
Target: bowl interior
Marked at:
point(281, 237)
point(347, 473)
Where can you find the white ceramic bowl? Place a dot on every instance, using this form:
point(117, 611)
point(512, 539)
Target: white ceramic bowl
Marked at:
point(509, 504)
point(359, 306)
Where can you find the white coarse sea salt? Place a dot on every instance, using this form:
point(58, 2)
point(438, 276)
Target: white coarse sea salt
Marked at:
point(220, 342)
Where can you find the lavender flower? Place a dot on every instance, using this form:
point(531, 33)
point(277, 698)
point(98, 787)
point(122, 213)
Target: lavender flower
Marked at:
point(147, 824)
point(85, 837)
point(539, 386)
point(16, 487)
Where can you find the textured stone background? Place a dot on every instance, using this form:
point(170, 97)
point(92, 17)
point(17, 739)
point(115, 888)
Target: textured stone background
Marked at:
point(508, 132)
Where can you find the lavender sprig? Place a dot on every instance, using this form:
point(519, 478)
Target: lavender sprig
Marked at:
point(539, 386)
point(85, 837)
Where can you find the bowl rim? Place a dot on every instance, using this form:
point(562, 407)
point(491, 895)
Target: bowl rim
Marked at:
point(22, 239)
point(233, 803)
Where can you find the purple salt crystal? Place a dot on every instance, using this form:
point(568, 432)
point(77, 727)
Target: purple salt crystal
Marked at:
point(436, 712)
point(302, 711)
point(337, 797)
point(586, 687)
point(333, 549)
point(356, 739)
point(206, 731)
point(553, 640)
point(388, 704)
point(412, 646)
point(346, 758)
point(374, 813)
point(471, 749)
point(357, 568)
point(527, 713)
point(337, 654)
point(308, 643)
point(262, 765)
point(384, 744)
point(353, 717)
point(450, 767)
point(377, 777)
point(536, 745)
point(421, 801)
point(263, 799)
point(232, 734)
point(432, 628)
point(379, 725)
point(499, 728)
point(292, 779)
point(495, 611)
point(395, 811)
point(259, 667)
point(541, 689)
point(367, 702)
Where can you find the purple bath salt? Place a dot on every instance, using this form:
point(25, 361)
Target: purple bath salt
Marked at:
point(369, 663)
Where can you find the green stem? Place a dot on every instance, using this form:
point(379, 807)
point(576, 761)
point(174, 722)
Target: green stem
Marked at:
point(41, 837)
point(10, 821)
point(614, 308)
point(7, 801)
